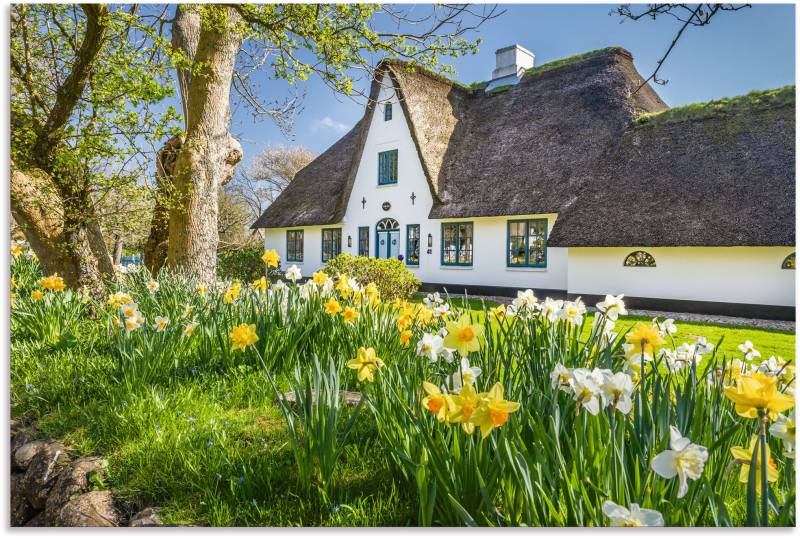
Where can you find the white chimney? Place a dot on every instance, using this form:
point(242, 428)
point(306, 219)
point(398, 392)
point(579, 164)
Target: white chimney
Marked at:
point(511, 63)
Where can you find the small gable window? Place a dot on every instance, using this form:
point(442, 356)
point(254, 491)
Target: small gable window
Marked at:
point(640, 259)
point(363, 241)
point(456, 244)
point(387, 167)
point(331, 243)
point(788, 262)
point(387, 112)
point(294, 245)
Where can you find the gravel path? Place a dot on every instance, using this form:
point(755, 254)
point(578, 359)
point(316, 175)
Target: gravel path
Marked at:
point(683, 317)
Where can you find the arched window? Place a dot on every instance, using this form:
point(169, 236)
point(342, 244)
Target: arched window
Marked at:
point(640, 259)
point(788, 262)
point(388, 224)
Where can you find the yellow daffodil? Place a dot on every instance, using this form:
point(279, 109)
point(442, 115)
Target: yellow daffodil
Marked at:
point(37, 295)
point(319, 278)
point(424, 315)
point(118, 299)
point(404, 321)
point(643, 338)
point(343, 286)
point(499, 313)
point(13, 283)
point(463, 406)
point(16, 250)
point(271, 258)
point(756, 393)
point(243, 335)
point(332, 307)
point(493, 410)
point(259, 285)
point(436, 402)
point(366, 363)
point(463, 336)
point(202, 289)
point(350, 315)
point(746, 456)
point(53, 282)
point(232, 294)
point(405, 337)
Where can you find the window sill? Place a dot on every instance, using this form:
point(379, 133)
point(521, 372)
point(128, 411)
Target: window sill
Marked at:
point(454, 267)
point(526, 268)
point(388, 184)
point(294, 261)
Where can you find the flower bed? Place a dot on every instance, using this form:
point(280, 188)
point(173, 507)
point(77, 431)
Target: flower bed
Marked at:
point(517, 417)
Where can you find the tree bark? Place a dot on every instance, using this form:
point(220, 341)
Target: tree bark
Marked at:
point(208, 154)
point(155, 248)
point(117, 249)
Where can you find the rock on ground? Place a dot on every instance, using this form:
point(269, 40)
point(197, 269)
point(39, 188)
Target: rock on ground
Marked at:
point(43, 472)
point(21, 509)
point(24, 452)
point(92, 509)
point(145, 518)
point(74, 479)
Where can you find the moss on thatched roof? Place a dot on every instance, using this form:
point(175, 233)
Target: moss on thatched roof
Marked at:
point(756, 100)
point(574, 59)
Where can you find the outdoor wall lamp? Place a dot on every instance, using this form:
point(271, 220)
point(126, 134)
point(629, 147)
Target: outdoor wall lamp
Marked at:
point(430, 241)
point(349, 241)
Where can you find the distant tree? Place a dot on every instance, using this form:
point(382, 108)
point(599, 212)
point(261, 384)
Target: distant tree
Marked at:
point(686, 14)
point(268, 175)
point(234, 222)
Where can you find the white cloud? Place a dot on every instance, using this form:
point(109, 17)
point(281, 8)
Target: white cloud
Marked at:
point(329, 123)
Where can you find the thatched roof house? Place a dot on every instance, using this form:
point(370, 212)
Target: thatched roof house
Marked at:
point(572, 139)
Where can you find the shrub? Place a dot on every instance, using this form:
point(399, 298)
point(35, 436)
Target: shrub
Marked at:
point(390, 275)
point(244, 264)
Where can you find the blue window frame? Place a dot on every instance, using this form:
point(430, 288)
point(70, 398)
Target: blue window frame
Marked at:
point(331, 243)
point(387, 167)
point(363, 241)
point(457, 244)
point(526, 243)
point(412, 245)
point(294, 245)
point(387, 112)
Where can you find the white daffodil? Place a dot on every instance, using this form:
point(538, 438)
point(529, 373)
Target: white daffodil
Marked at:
point(433, 300)
point(152, 286)
point(550, 308)
point(771, 366)
point(560, 378)
point(464, 375)
point(633, 517)
point(134, 322)
point(442, 311)
point(616, 391)
point(586, 389)
point(748, 350)
point(161, 323)
point(607, 331)
point(293, 273)
point(667, 327)
point(526, 301)
point(684, 459)
point(669, 357)
point(572, 312)
point(279, 286)
point(702, 346)
point(686, 354)
point(613, 306)
point(129, 310)
point(188, 330)
point(783, 428)
point(430, 346)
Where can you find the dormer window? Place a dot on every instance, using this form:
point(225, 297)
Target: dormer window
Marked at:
point(387, 167)
point(387, 112)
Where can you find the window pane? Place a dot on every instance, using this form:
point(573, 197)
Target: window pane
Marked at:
point(516, 243)
point(465, 243)
point(412, 245)
point(363, 241)
point(537, 242)
point(387, 112)
point(449, 244)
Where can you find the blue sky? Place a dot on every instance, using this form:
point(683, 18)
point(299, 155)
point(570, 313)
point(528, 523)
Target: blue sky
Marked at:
point(738, 52)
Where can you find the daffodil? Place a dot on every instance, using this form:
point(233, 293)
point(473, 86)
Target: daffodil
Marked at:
point(633, 517)
point(756, 393)
point(616, 390)
point(430, 346)
point(189, 328)
point(550, 308)
point(259, 285)
point(585, 386)
point(499, 313)
point(525, 302)
point(572, 312)
point(319, 278)
point(332, 307)
point(463, 336)
point(293, 273)
point(561, 378)
point(643, 338)
point(466, 374)
point(784, 429)
point(271, 258)
point(745, 457)
point(53, 282)
point(405, 337)
point(129, 310)
point(612, 306)
point(463, 406)
point(365, 363)
point(350, 315)
point(202, 289)
point(161, 323)
point(134, 322)
point(493, 410)
point(232, 293)
point(748, 350)
point(37, 295)
point(243, 335)
point(436, 402)
point(152, 287)
point(16, 250)
point(683, 458)
point(404, 321)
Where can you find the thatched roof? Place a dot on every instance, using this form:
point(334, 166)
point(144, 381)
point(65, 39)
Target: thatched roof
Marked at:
point(561, 141)
point(699, 176)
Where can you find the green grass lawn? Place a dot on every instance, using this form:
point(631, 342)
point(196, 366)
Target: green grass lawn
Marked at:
point(767, 341)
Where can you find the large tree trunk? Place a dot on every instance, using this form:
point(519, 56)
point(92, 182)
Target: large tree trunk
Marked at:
point(208, 154)
point(64, 236)
point(155, 249)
